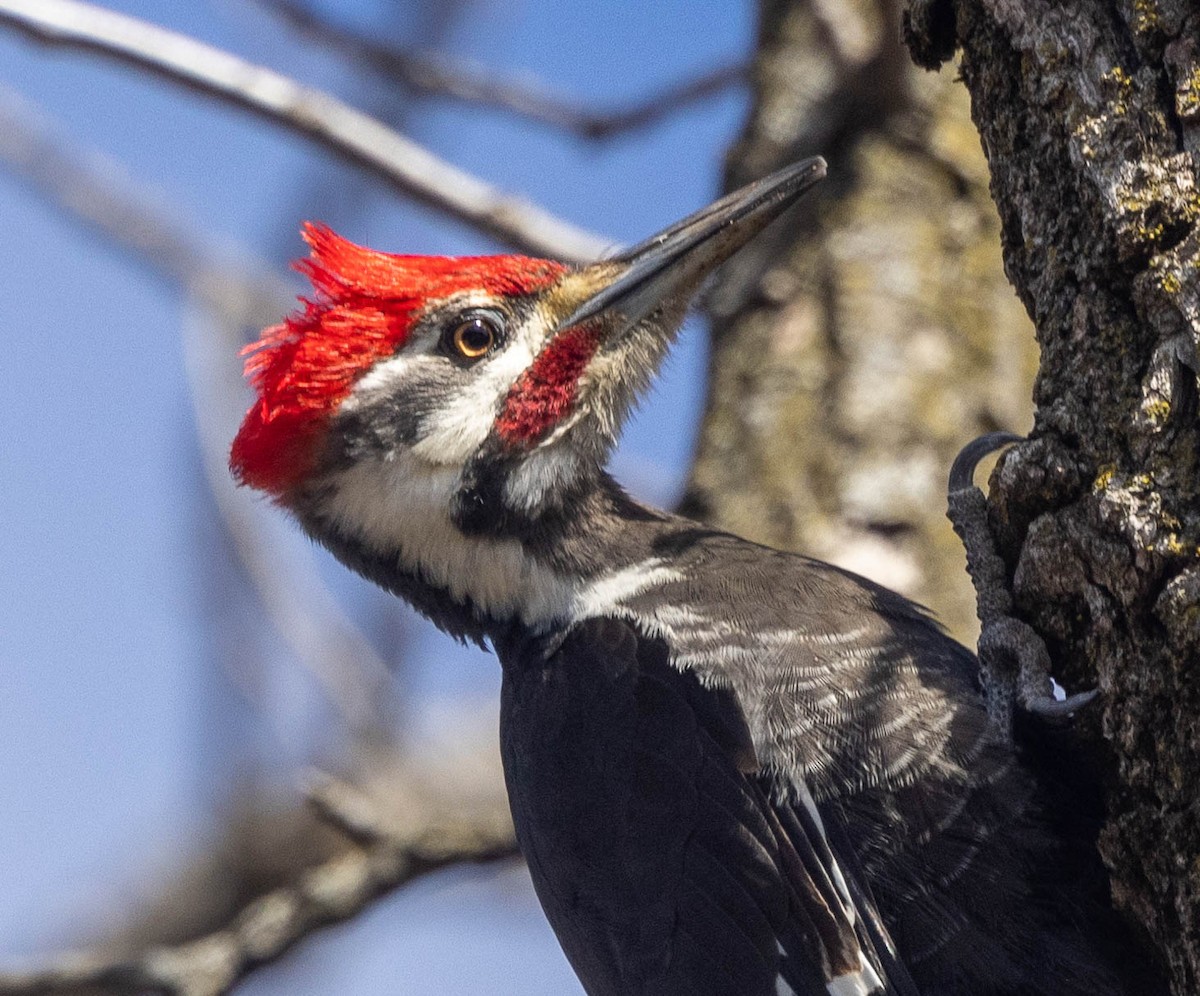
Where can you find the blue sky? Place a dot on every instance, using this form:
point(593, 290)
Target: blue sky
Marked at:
point(118, 734)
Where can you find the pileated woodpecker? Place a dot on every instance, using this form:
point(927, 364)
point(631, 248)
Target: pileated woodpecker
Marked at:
point(732, 770)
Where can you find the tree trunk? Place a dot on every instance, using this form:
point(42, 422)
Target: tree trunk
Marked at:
point(856, 352)
point(858, 345)
point(1090, 117)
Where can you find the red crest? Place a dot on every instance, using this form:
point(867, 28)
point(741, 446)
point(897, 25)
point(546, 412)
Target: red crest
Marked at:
point(363, 309)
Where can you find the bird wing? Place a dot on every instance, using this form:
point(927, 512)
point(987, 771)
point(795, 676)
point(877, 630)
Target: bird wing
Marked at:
point(856, 700)
point(664, 854)
point(844, 684)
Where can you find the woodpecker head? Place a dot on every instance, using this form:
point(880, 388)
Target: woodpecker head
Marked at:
point(493, 386)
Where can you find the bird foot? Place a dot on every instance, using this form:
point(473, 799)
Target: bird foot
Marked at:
point(1013, 660)
point(1011, 648)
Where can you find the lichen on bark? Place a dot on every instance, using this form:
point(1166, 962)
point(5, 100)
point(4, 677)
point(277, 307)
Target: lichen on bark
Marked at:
point(1089, 115)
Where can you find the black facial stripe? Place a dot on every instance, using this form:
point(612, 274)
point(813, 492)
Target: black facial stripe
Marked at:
point(478, 506)
point(383, 419)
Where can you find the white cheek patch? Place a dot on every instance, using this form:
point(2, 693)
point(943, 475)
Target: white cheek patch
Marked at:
point(401, 506)
point(452, 433)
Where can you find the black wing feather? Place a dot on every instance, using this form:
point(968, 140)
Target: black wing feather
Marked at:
point(659, 855)
point(982, 877)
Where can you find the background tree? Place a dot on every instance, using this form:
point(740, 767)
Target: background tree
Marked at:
point(854, 351)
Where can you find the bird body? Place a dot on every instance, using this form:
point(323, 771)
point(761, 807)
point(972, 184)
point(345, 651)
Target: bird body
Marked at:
point(731, 769)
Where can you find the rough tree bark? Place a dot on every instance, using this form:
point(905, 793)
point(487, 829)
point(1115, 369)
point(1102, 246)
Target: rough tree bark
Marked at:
point(848, 370)
point(1089, 113)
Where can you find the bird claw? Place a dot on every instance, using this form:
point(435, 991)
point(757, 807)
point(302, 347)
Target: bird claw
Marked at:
point(1012, 647)
point(962, 471)
point(1013, 660)
point(1052, 710)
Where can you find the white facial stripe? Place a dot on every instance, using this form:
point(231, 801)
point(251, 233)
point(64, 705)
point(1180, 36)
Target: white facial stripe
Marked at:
point(540, 472)
point(386, 374)
point(602, 595)
point(457, 429)
point(452, 433)
point(403, 504)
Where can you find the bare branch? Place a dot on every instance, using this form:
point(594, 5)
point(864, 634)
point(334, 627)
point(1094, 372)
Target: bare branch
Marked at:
point(438, 75)
point(347, 668)
point(345, 807)
point(331, 123)
point(390, 857)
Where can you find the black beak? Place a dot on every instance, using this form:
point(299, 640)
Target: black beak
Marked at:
point(677, 259)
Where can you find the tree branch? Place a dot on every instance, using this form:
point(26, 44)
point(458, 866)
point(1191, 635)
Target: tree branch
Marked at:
point(386, 857)
point(438, 75)
point(96, 190)
point(342, 129)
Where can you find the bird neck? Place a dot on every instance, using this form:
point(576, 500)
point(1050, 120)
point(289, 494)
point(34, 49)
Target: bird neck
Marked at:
point(542, 570)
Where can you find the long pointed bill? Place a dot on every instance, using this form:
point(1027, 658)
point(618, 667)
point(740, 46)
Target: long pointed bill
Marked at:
point(601, 355)
point(677, 259)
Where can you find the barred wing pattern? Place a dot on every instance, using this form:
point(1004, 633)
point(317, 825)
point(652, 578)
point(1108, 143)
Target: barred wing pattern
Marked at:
point(854, 695)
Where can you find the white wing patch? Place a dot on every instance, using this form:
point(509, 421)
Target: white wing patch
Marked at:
point(782, 988)
point(835, 871)
point(866, 980)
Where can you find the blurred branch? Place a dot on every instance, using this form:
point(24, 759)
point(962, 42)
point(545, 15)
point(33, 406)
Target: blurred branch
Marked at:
point(92, 188)
point(387, 856)
point(95, 189)
point(347, 668)
point(331, 123)
point(438, 75)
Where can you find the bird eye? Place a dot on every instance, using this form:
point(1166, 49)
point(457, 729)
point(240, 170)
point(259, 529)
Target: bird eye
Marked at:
point(474, 336)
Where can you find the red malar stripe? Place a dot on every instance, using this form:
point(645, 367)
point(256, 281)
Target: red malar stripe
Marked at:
point(546, 391)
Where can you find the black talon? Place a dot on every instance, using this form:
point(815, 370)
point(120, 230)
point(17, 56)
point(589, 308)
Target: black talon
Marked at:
point(962, 471)
point(1052, 710)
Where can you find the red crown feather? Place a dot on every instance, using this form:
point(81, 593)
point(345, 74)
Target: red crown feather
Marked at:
point(363, 310)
